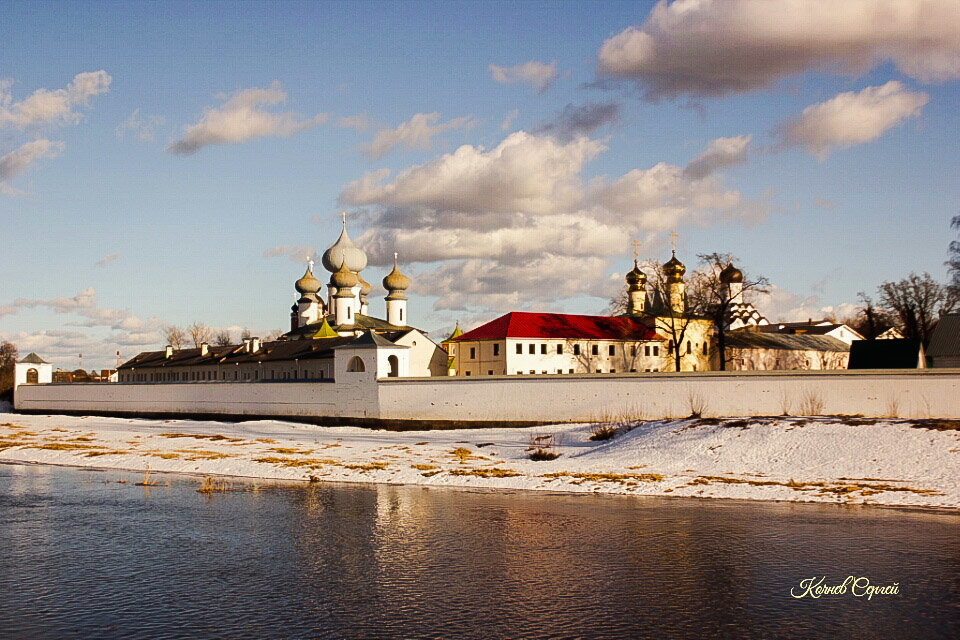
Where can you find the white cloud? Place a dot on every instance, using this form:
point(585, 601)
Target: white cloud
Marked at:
point(513, 207)
point(718, 47)
point(719, 154)
point(509, 119)
point(19, 160)
point(358, 123)
point(853, 118)
point(242, 117)
point(107, 259)
point(536, 74)
point(780, 305)
point(415, 133)
point(299, 253)
point(524, 173)
point(143, 127)
point(56, 107)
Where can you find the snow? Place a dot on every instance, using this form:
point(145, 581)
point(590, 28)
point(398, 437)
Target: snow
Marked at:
point(824, 459)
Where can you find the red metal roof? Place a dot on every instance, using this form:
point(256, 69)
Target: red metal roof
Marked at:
point(521, 324)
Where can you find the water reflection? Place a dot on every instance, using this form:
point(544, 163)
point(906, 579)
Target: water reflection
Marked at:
point(88, 556)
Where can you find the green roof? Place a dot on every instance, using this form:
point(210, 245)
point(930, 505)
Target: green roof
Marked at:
point(324, 331)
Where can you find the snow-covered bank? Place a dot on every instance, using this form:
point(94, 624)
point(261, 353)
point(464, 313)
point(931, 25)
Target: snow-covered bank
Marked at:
point(849, 460)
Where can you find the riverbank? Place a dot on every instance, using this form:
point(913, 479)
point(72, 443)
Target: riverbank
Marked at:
point(819, 459)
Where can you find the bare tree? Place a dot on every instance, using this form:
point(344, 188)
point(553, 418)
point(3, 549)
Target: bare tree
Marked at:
point(917, 302)
point(953, 263)
point(174, 335)
point(8, 363)
point(199, 333)
point(710, 296)
point(245, 334)
point(223, 338)
point(869, 321)
point(274, 335)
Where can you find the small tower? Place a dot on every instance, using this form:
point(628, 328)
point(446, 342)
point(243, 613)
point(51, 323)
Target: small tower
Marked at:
point(396, 283)
point(636, 290)
point(732, 279)
point(364, 292)
point(673, 270)
point(343, 282)
point(309, 308)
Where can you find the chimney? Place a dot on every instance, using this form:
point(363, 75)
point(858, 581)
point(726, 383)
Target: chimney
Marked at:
point(169, 352)
point(246, 345)
point(204, 349)
point(255, 345)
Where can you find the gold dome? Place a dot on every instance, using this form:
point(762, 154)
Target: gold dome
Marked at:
point(636, 278)
point(344, 279)
point(308, 283)
point(396, 281)
point(673, 269)
point(731, 274)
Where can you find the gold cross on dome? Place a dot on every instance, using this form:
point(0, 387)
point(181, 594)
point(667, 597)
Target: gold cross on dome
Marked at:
point(636, 249)
point(673, 239)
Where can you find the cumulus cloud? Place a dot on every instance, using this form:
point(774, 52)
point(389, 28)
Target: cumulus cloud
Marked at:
point(574, 121)
point(719, 47)
point(780, 305)
point(19, 160)
point(357, 123)
point(57, 107)
point(299, 253)
point(853, 118)
point(243, 116)
point(536, 74)
point(509, 119)
point(516, 205)
point(415, 133)
point(144, 128)
point(719, 154)
point(83, 304)
point(107, 259)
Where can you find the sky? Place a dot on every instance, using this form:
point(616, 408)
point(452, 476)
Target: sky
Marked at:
point(171, 163)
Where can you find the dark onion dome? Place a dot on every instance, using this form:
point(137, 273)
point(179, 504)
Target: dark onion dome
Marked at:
point(674, 269)
point(343, 252)
point(344, 279)
point(731, 274)
point(396, 283)
point(307, 284)
point(635, 278)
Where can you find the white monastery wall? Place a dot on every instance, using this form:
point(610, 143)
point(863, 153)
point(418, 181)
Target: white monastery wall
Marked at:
point(907, 394)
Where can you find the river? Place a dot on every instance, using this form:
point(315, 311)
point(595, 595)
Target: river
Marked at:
point(90, 554)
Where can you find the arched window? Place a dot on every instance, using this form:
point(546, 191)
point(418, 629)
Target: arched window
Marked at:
point(356, 365)
point(33, 376)
point(394, 363)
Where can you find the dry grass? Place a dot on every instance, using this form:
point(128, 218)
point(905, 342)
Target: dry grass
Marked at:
point(622, 478)
point(603, 431)
point(835, 488)
point(369, 466)
point(493, 472)
point(114, 452)
point(935, 424)
point(291, 451)
point(462, 455)
point(267, 440)
point(200, 436)
point(424, 467)
point(211, 485)
point(312, 463)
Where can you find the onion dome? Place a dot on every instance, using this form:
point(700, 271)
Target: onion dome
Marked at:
point(731, 274)
point(344, 252)
point(635, 278)
point(396, 283)
point(344, 280)
point(674, 269)
point(364, 286)
point(307, 284)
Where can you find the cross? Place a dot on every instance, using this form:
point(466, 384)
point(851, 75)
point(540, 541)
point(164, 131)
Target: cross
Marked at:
point(636, 249)
point(310, 263)
point(343, 214)
point(673, 239)
point(394, 258)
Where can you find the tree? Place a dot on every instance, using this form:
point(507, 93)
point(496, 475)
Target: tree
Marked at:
point(8, 363)
point(710, 295)
point(870, 321)
point(954, 262)
point(174, 336)
point(917, 302)
point(223, 338)
point(199, 333)
point(245, 334)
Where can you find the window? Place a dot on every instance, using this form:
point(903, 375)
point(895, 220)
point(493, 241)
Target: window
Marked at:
point(633, 350)
point(576, 350)
point(533, 349)
point(571, 370)
point(656, 350)
point(519, 348)
point(356, 365)
point(688, 347)
point(490, 372)
point(473, 352)
point(394, 364)
point(543, 349)
point(467, 373)
point(646, 350)
point(704, 348)
point(559, 349)
point(401, 314)
point(533, 371)
point(599, 371)
point(613, 370)
point(560, 371)
point(670, 347)
point(612, 350)
point(496, 349)
point(595, 350)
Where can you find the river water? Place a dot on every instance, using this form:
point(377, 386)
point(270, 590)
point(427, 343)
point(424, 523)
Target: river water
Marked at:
point(89, 554)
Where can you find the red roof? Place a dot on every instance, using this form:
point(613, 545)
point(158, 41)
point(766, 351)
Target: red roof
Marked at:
point(520, 324)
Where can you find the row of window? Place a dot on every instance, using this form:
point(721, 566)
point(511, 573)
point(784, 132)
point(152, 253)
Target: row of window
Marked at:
point(200, 376)
point(559, 371)
point(648, 350)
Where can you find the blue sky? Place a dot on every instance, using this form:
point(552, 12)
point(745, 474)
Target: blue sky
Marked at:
point(168, 163)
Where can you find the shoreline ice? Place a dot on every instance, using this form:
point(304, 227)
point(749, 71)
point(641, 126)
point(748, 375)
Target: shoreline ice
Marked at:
point(911, 463)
